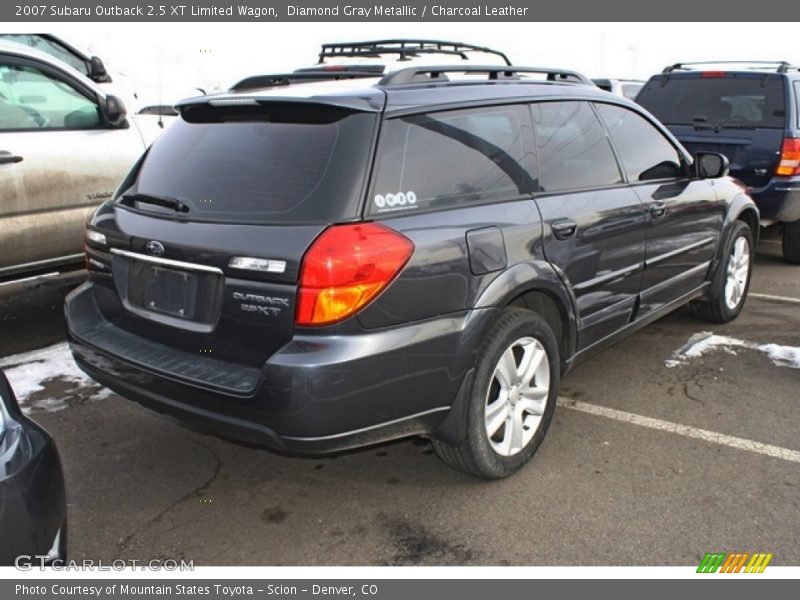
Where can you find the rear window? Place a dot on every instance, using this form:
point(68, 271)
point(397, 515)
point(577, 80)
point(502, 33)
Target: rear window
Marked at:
point(454, 158)
point(266, 168)
point(734, 100)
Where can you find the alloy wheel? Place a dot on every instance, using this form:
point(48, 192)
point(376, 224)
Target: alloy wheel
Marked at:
point(738, 272)
point(517, 396)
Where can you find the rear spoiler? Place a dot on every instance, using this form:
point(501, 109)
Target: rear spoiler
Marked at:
point(232, 107)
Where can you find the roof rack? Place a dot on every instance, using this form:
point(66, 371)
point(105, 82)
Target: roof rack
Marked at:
point(306, 76)
point(423, 74)
point(407, 49)
point(780, 66)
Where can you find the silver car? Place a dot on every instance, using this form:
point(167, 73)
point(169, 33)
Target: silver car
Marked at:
point(65, 144)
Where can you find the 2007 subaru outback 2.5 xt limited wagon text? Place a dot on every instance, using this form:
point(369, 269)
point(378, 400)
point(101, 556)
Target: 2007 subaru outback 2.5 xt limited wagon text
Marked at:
point(325, 265)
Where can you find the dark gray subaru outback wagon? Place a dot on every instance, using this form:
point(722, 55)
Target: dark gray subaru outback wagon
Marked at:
point(321, 265)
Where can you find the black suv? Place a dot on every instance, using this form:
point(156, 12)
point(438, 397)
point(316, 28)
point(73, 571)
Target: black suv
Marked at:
point(750, 112)
point(320, 266)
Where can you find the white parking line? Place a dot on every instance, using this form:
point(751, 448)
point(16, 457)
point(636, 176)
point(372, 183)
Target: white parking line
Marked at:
point(684, 430)
point(788, 299)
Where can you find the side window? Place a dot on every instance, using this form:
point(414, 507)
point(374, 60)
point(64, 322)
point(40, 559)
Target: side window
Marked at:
point(32, 99)
point(454, 158)
point(645, 153)
point(49, 47)
point(574, 152)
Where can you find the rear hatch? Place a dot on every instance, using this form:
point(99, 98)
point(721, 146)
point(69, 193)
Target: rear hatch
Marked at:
point(741, 115)
point(205, 237)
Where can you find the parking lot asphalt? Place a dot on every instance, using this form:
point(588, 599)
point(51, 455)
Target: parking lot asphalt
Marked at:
point(607, 487)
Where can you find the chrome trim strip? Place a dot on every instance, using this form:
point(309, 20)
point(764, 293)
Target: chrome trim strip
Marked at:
point(167, 262)
point(608, 277)
point(671, 253)
point(365, 429)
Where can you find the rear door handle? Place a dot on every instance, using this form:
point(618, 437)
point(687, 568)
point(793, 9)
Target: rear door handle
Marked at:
point(8, 158)
point(563, 230)
point(658, 209)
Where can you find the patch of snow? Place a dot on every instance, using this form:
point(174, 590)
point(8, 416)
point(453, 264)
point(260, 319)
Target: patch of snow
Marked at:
point(705, 342)
point(783, 356)
point(31, 373)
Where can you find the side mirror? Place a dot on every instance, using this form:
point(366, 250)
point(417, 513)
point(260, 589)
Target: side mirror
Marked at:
point(97, 70)
point(710, 165)
point(115, 111)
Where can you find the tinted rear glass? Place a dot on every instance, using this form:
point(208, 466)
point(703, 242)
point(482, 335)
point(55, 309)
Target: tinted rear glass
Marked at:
point(736, 99)
point(246, 170)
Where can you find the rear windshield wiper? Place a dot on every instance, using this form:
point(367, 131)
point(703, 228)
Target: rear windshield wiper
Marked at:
point(165, 201)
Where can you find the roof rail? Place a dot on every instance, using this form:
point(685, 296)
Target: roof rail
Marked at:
point(781, 66)
point(434, 74)
point(305, 76)
point(406, 48)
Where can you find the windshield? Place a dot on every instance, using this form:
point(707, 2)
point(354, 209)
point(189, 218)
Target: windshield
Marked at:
point(283, 170)
point(736, 100)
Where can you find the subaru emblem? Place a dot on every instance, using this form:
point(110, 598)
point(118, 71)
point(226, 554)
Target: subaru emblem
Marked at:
point(155, 248)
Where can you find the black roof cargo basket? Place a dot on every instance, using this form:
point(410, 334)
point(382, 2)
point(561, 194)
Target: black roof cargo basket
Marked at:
point(406, 49)
point(780, 66)
point(436, 74)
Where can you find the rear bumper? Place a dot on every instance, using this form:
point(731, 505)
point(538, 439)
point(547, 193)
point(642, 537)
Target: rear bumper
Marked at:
point(316, 394)
point(779, 199)
point(33, 508)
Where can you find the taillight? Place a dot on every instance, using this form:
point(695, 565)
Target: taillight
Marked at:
point(713, 74)
point(790, 158)
point(345, 268)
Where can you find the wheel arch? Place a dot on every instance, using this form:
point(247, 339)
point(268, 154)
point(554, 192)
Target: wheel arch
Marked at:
point(750, 216)
point(536, 286)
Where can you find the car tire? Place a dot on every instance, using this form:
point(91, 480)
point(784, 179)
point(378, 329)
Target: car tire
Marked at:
point(791, 242)
point(510, 406)
point(732, 280)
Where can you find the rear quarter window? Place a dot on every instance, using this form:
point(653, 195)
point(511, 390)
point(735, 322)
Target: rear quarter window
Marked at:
point(454, 158)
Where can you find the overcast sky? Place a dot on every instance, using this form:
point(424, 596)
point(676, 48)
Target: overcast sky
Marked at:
point(182, 56)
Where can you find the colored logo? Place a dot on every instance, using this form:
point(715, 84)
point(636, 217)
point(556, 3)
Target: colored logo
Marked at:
point(734, 562)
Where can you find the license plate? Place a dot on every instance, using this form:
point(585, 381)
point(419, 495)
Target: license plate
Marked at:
point(163, 290)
